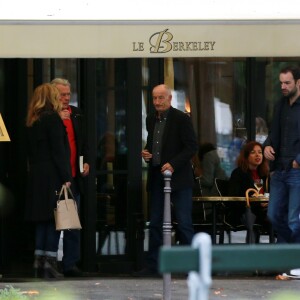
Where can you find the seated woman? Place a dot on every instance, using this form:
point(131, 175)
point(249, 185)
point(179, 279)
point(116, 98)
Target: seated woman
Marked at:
point(251, 167)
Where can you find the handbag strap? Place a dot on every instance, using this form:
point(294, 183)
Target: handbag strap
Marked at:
point(65, 190)
point(70, 192)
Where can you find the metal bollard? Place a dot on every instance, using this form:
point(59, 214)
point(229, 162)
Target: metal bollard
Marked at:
point(200, 282)
point(167, 223)
point(167, 230)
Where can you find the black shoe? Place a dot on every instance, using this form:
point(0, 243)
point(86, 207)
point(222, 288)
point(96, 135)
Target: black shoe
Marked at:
point(73, 272)
point(266, 273)
point(146, 272)
point(38, 266)
point(51, 268)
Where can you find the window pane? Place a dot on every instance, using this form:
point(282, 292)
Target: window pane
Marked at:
point(67, 68)
point(111, 163)
point(214, 92)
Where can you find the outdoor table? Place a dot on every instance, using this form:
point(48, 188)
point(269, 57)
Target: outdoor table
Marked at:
point(219, 199)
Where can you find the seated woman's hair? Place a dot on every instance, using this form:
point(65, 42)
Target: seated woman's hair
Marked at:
point(243, 163)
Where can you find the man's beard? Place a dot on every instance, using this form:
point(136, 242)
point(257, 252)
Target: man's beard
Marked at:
point(291, 94)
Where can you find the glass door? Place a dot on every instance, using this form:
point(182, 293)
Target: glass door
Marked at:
point(111, 161)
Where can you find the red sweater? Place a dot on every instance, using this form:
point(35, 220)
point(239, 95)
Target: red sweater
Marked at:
point(72, 142)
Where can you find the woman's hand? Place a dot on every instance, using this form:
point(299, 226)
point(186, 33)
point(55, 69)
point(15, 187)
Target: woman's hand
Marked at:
point(68, 184)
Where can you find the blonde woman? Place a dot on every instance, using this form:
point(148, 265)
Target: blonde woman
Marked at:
point(49, 169)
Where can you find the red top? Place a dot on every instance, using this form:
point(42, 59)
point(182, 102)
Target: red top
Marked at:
point(71, 137)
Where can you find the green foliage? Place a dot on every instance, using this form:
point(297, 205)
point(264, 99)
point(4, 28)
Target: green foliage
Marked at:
point(286, 296)
point(10, 293)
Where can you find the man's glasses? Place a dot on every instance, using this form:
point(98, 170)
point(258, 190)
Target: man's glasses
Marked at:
point(65, 94)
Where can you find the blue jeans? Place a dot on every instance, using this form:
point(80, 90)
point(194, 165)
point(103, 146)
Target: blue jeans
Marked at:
point(284, 205)
point(46, 239)
point(182, 204)
point(71, 240)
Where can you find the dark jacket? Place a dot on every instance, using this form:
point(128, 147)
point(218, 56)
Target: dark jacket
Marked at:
point(81, 145)
point(274, 136)
point(179, 144)
point(240, 181)
point(49, 165)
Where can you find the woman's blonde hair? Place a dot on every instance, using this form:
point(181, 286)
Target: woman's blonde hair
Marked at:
point(45, 98)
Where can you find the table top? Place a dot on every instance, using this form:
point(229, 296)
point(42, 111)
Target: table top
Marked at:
point(229, 198)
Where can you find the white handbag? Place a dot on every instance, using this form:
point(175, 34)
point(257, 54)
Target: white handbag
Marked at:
point(66, 212)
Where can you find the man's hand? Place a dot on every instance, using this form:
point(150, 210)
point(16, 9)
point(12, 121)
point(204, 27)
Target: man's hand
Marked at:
point(65, 114)
point(168, 167)
point(295, 165)
point(146, 155)
point(86, 170)
point(269, 153)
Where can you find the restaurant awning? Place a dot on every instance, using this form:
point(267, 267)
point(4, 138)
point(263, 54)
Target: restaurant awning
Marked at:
point(62, 29)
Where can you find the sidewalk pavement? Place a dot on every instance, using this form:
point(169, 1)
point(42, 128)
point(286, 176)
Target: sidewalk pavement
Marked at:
point(130, 288)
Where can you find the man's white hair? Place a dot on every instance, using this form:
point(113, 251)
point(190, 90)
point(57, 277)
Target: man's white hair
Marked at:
point(61, 81)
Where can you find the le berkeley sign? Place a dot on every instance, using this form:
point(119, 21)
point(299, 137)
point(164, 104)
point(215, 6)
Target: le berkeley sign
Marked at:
point(44, 40)
point(164, 42)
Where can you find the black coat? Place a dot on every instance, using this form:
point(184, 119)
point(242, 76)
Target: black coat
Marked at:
point(79, 130)
point(239, 183)
point(274, 138)
point(179, 145)
point(49, 165)
point(81, 145)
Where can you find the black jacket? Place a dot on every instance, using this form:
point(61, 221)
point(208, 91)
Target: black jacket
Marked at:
point(81, 144)
point(240, 181)
point(274, 137)
point(179, 144)
point(49, 165)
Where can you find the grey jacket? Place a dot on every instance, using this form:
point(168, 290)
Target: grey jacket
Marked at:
point(211, 169)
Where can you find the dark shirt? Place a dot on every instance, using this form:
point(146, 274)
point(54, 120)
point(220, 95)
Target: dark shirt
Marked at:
point(178, 147)
point(160, 124)
point(290, 142)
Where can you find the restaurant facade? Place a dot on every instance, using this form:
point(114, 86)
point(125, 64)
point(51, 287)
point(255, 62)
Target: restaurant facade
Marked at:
point(223, 74)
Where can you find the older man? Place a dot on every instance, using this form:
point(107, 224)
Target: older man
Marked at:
point(72, 118)
point(171, 144)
